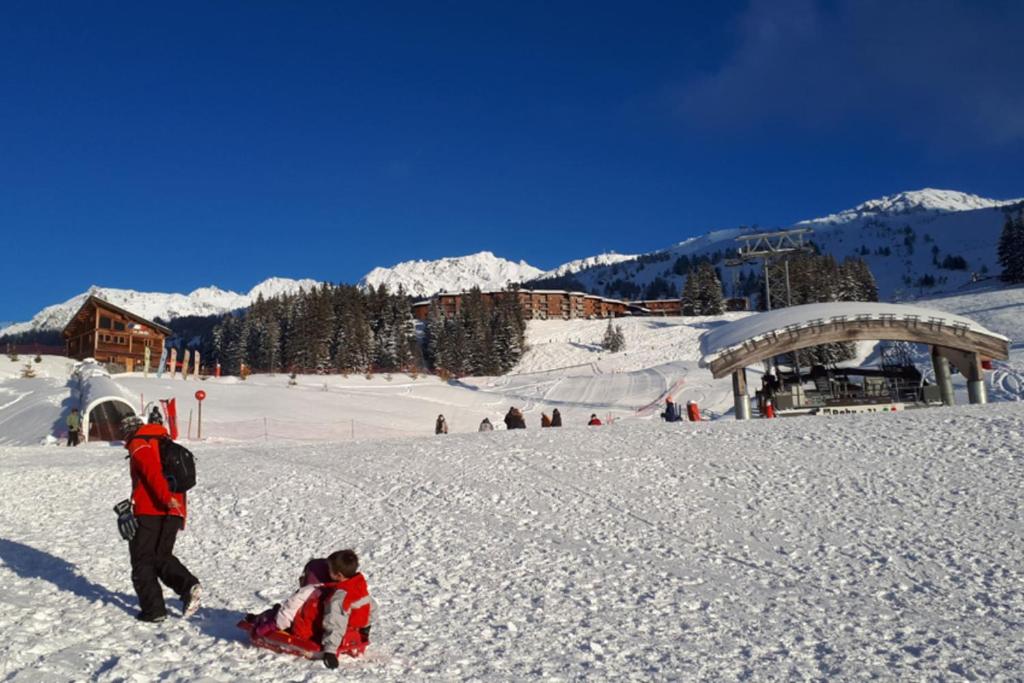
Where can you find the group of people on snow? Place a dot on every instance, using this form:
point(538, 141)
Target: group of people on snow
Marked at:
point(514, 419)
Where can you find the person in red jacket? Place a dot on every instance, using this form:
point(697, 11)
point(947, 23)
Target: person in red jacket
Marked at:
point(160, 515)
point(336, 615)
point(594, 420)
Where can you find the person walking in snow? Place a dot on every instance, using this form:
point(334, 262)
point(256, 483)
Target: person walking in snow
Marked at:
point(594, 421)
point(159, 515)
point(485, 425)
point(440, 427)
point(545, 421)
point(74, 423)
point(556, 418)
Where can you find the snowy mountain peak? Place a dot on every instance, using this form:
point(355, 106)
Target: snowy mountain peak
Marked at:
point(151, 305)
point(451, 274)
point(589, 262)
point(276, 286)
point(914, 201)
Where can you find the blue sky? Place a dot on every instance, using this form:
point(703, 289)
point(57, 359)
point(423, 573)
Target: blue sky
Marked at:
point(164, 147)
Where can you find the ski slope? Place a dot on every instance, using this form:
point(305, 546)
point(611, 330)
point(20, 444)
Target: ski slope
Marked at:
point(885, 546)
point(872, 545)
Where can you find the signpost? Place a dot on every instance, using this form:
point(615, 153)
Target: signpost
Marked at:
point(200, 395)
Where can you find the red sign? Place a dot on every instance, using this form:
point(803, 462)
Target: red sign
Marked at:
point(200, 395)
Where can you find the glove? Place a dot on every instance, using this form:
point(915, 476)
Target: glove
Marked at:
point(330, 660)
point(127, 525)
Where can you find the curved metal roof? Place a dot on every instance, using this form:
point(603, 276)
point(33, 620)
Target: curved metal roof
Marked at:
point(102, 401)
point(736, 345)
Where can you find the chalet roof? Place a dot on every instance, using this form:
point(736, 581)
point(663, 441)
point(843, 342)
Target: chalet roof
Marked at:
point(93, 299)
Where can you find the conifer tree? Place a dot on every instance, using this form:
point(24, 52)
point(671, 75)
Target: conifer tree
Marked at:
point(614, 340)
point(1011, 249)
point(709, 299)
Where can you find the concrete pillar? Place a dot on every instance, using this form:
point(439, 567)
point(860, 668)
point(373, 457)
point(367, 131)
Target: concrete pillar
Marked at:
point(739, 392)
point(942, 377)
point(975, 380)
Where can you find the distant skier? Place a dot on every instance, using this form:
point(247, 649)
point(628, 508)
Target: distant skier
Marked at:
point(335, 615)
point(440, 427)
point(74, 423)
point(594, 421)
point(545, 421)
point(485, 425)
point(556, 418)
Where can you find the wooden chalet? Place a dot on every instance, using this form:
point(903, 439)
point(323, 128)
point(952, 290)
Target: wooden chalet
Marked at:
point(110, 334)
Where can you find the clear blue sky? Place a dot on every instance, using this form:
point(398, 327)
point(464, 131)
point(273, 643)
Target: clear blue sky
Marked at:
point(164, 147)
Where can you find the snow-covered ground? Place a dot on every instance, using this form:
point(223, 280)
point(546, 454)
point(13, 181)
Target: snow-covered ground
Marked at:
point(864, 545)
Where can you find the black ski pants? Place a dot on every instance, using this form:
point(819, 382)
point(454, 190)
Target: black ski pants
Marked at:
point(153, 561)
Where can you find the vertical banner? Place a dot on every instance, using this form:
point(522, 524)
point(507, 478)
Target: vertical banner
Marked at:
point(172, 418)
point(146, 353)
point(195, 364)
point(162, 364)
point(184, 363)
point(174, 362)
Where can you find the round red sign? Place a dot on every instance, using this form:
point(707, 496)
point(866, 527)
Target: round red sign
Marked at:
point(200, 395)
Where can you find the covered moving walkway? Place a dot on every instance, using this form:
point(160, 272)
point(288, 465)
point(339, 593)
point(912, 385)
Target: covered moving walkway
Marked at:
point(103, 403)
point(733, 347)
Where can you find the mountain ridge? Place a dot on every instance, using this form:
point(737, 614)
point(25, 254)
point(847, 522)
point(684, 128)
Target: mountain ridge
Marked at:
point(904, 237)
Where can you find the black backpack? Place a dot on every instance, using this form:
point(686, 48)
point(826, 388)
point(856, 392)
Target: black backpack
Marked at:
point(179, 465)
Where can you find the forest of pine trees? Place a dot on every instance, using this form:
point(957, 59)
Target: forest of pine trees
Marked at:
point(1011, 249)
point(327, 329)
point(702, 293)
point(815, 278)
point(482, 339)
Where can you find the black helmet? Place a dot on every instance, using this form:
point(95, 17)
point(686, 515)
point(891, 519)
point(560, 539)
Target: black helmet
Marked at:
point(129, 425)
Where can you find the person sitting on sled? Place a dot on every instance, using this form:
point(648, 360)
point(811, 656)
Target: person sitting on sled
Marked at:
point(336, 615)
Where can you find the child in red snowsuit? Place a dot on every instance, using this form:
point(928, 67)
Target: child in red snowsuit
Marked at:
point(335, 614)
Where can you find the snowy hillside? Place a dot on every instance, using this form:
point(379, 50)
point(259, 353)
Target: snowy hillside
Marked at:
point(455, 274)
point(863, 546)
point(201, 302)
point(584, 263)
point(917, 201)
point(905, 238)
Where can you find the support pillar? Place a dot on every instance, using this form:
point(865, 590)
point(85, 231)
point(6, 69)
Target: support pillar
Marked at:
point(975, 380)
point(942, 377)
point(739, 392)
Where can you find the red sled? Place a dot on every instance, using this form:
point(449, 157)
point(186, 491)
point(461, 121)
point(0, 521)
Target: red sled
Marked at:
point(286, 643)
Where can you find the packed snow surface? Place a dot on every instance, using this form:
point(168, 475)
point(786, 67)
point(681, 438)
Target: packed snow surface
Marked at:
point(870, 545)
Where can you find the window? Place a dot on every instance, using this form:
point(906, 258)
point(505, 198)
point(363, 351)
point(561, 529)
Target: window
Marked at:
point(104, 322)
point(119, 326)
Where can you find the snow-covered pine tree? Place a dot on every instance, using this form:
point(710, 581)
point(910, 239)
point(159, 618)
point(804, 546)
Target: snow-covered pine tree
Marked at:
point(613, 340)
point(709, 299)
